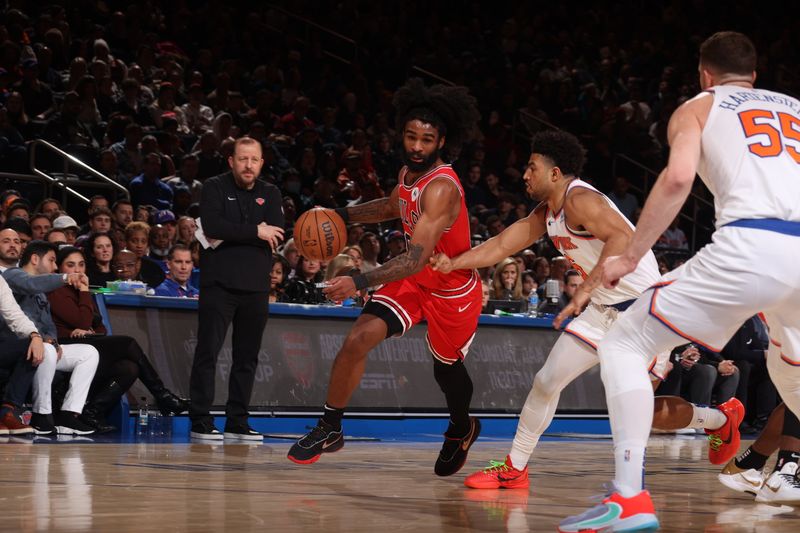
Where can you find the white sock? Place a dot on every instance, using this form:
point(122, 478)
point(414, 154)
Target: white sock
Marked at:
point(631, 415)
point(707, 418)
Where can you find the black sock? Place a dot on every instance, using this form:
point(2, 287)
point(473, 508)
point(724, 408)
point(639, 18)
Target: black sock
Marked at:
point(751, 459)
point(457, 388)
point(786, 456)
point(333, 417)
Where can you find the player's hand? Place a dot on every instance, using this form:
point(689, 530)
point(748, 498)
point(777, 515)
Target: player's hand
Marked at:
point(441, 263)
point(615, 268)
point(77, 332)
point(575, 307)
point(36, 350)
point(340, 288)
point(272, 234)
point(726, 368)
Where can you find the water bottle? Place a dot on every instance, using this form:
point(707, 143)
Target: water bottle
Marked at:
point(155, 423)
point(533, 304)
point(143, 421)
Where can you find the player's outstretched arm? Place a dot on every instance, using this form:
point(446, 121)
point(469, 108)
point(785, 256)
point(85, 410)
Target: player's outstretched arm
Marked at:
point(375, 211)
point(514, 238)
point(442, 202)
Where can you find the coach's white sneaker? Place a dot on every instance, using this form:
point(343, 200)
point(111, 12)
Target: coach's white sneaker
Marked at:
point(740, 480)
point(781, 486)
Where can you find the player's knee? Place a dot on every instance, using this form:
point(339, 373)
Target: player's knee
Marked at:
point(545, 387)
point(360, 340)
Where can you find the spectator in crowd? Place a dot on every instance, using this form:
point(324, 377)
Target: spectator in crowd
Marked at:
point(198, 116)
point(395, 244)
point(673, 237)
point(100, 220)
point(179, 266)
point(370, 250)
point(19, 356)
point(486, 292)
point(18, 210)
point(290, 253)
point(186, 229)
point(354, 233)
point(130, 267)
point(624, 200)
point(56, 236)
point(40, 225)
point(99, 251)
point(128, 152)
point(528, 283)
point(10, 249)
point(506, 281)
point(50, 207)
point(700, 376)
point(209, 159)
point(30, 282)
point(121, 359)
point(68, 226)
point(23, 230)
point(340, 265)
point(190, 165)
point(747, 349)
point(147, 188)
point(36, 94)
point(302, 287)
point(277, 278)
point(122, 213)
point(159, 244)
point(137, 238)
point(354, 251)
point(166, 218)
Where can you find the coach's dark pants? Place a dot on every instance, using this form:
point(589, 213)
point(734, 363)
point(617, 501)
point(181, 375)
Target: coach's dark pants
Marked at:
point(13, 357)
point(219, 307)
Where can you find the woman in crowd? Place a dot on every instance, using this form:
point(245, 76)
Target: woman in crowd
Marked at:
point(186, 228)
point(302, 288)
point(122, 360)
point(99, 250)
point(354, 251)
point(507, 282)
point(277, 278)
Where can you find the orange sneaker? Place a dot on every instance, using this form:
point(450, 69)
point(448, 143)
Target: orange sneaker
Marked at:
point(499, 475)
point(723, 443)
point(616, 513)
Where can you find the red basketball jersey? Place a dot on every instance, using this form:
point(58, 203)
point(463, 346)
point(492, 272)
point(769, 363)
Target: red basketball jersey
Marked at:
point(455, 240)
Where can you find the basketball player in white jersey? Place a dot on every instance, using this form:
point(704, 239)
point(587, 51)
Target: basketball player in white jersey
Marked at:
point(586, 227)
point(745, 145)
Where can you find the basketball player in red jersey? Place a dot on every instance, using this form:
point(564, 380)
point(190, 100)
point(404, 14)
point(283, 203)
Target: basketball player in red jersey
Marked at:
point(429, 199)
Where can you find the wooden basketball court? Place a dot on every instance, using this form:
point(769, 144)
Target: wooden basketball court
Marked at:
point(376, 486)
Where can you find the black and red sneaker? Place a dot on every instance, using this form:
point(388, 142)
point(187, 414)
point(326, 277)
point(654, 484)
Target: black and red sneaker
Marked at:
point(322, 439)
point(454, 450)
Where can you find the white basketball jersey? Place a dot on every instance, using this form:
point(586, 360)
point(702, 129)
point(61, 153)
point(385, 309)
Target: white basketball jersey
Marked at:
point(750, 156)
point(583, 250)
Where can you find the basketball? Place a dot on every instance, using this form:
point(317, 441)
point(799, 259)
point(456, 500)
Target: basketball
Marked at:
point(320, 234)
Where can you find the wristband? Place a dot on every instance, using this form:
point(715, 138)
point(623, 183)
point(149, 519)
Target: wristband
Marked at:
point(342, 212)
point(34, 334)
point(361, 281)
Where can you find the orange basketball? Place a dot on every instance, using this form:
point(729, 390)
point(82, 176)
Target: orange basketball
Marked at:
point(320, 234)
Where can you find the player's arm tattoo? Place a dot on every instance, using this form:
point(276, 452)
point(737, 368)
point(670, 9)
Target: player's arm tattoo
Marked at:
point(400, 267)
point(374, 211)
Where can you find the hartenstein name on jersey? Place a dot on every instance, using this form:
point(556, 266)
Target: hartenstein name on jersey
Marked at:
point(733, 101)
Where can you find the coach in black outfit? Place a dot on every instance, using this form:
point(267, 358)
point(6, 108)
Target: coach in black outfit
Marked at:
point(245, 214)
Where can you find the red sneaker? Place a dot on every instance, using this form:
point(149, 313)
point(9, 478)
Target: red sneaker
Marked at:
point(13, 423)
point(723, 443)
point(499, 476)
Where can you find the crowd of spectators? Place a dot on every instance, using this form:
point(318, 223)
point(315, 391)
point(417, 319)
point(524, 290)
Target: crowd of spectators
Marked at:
point(153, 95)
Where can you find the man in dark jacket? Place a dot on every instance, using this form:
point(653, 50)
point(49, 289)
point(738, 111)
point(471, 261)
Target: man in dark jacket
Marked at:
point(245, 214)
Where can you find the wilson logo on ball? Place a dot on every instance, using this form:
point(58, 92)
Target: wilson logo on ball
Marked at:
point(327, 231)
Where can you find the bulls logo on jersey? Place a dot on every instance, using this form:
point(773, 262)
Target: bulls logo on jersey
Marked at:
point(414, 194)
